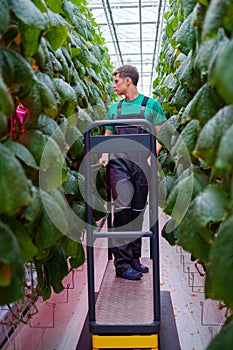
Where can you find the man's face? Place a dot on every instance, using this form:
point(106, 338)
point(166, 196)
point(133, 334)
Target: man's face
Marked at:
point(120, 84)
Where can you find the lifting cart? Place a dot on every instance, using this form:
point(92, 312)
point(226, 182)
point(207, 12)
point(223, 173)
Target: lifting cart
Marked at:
point(126, 314)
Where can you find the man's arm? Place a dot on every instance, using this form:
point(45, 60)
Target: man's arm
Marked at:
point(158, 145)
point(104, 158)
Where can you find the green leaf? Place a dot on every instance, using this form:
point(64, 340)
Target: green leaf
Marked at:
point(4, 15)
point(224, 161)
point(70, 186)
point(57, 268)
point(215, 14)
point(81, 184)
point(58, 196)
point(68, 97)
point(74, 251)
point(5, 274)
point(84, 120)
point(57, 32)
point(181, 97)
point(221, 73)
point(27, 249)
point(165, 187)
point(180, 198)
point(48, 157)
point(79, 259)
point(76, 46)
point(76, 141)
point(208, 49)
point(16, 72)
point(40, 5)
point(55, 5)
point(72, 135)
point(64, 67)
point(169, 232)
point(15, 291)
point(204, 2)
point(99, 210)
point(169, 30)
point(227, 22)
point(46, 59)
point(189, 238)
point(210, 206)
point(204, 105)
point(48, 81)
point(219, 278)
point(3, 123)
point(189, 6)
point(35, 142)
point(14, 185)
point(170, 82)
point(40, 99)
point(21, 152)
point(224, 339)
point(6, 101)
point(78, 225)
point(68, 246)
point(211, 134)
point(30, 38)
point(33, 210)
point(187, 139)
point(11, 267)
point(185, 36)
point(9, 248)
point(53, 222)
point(28, 13)
point(44, 286)
point(49, 127)
point(167, 131)
point(187, 75)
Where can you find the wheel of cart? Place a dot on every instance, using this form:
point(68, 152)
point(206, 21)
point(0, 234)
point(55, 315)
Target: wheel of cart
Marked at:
point(127, 314)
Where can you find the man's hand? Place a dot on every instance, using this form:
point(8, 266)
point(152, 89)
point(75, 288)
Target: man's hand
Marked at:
point(104, 159)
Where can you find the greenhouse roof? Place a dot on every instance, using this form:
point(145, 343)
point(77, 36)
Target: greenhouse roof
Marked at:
point(132, 30)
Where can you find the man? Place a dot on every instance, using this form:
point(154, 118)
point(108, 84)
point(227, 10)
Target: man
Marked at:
point(127, 171)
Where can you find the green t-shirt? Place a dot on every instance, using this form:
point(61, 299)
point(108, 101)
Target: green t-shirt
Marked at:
point(153, 111)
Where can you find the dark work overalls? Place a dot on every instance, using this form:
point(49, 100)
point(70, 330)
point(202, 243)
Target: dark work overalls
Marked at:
point(129, 189)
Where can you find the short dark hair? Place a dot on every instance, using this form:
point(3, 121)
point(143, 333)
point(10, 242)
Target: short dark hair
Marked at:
point(128, 71)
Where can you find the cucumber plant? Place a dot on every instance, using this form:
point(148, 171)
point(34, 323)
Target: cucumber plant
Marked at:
point(55, 77)
point(194, 85)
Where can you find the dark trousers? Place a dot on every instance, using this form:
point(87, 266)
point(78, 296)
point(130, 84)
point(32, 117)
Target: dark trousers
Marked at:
point(129, 192)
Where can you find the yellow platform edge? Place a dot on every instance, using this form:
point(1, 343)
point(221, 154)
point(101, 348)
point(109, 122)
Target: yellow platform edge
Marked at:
point(125, 342)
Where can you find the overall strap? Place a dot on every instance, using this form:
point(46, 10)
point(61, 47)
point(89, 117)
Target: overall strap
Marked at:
point(144, 101)
point(119, 108)
point(139, 115)
point(143, 107)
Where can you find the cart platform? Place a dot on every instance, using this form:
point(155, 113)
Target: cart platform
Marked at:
point(122, 301)
point(168, 338)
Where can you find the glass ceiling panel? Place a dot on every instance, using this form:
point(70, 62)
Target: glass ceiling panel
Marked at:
point(132, 30)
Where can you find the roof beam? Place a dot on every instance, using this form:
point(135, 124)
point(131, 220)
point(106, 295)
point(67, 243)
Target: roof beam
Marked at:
point(132, 28)
point(129, 23)
point(140, 30)
point(156, 46)
point(97, 7)
point(114, 30)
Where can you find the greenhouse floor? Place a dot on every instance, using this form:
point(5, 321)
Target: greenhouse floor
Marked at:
point(59, 322)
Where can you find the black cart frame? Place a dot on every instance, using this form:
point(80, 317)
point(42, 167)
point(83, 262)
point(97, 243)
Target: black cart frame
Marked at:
point(97, 144)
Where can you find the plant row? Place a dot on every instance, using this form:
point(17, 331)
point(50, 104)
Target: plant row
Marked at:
point(55, 78)
point(195, 86)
